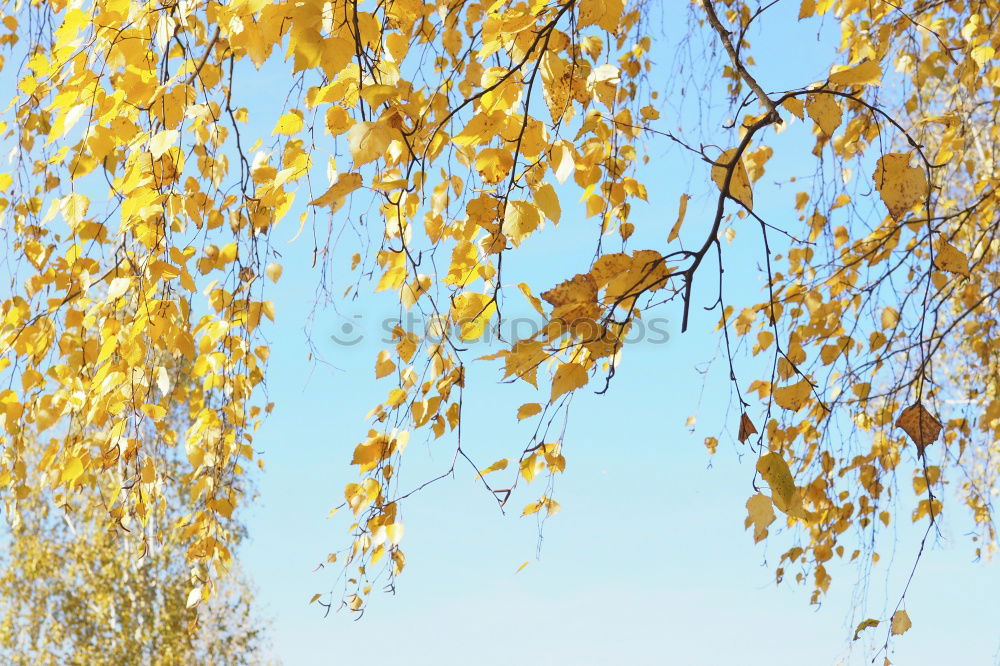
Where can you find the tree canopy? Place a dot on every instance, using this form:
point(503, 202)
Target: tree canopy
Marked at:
point(142, 196)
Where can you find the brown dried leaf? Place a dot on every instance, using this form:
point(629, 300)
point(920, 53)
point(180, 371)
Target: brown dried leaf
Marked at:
point(746, 428)
point(920, 425)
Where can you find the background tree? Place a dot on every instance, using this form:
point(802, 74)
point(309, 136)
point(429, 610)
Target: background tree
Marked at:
point(74, 590)
point(462, 128)
point(79, 589)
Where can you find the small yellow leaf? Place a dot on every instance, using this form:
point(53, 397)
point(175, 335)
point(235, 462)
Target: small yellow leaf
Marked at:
point(526, 563)
point(535, 302)
point(681, 211)
point(796, 106)
point(288, 124)
point(867, 624)
point(603, 13)
point(793, 397)
point(376, 94)
point(368, 141)
point(162, 142)
point(739, 182)
point(394, 533)
point(866, 73)
point(155, 412)
point(825, 112)
point(162, 380)
point(900, 622)
point(495, 467)
point(951, 259)
point(383, 365)
point(520, 218)
point(890, 317)
point(314, 598)
point(774, 470)
point(569, 377)
point(760, 514)
point(900, 185)
point(72, 470)
point(273, 271)
point(983, 54)
point(548, 202)
point(528, 410)
point(118, 287)
point(346, 184)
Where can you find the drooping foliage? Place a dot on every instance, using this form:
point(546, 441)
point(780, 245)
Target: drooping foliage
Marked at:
point(78, 588)
point(142, 199)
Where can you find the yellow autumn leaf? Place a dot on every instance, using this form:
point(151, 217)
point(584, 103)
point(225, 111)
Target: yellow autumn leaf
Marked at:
point(865, 624)
point(162, 142)
point(532, 299)
point(375, 95)
point(383, 365)
point(155, 412)
point(681, 212)
point(900, 623)
point(603, 13)
point(345, 184)
point(739, 183)
point(890, 317)
point(866, 73)
point(774, 470)
point(793, 397)
point(548, 202)
point(568, 377)
point(74, 208)
point(273, 271)
point(900, 185)
point(531, 508)
point(368, 141)
point(825, 112)
point(796, 107)
point(760, 514)
point(528, 410)
point(520, 219)
point(118, 287)
point(72, 470)
point(983, 54)
point(394, 533)
point(495, 467)
point(951, 259)
point(288, 124)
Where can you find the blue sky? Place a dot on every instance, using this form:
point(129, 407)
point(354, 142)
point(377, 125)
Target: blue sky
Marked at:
point(648, 562)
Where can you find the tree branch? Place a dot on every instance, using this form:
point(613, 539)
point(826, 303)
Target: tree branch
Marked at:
point(713, 20)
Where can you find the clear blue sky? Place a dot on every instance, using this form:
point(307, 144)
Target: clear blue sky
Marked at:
point(648, 562)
